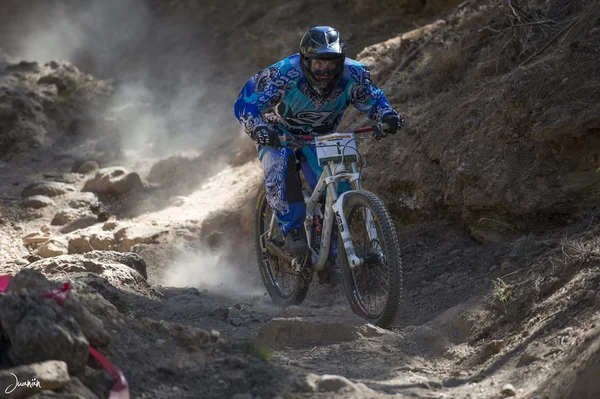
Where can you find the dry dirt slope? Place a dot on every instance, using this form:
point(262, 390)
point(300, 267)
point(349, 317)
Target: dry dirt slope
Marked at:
point(484, 306)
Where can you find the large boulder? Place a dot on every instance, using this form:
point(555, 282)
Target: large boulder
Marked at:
point(39, 329)
point(130, 259)
point(114, 181)
point(34, 283)
point(125, 271)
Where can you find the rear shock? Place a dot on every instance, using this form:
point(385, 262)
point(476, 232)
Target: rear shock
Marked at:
point(317, 229)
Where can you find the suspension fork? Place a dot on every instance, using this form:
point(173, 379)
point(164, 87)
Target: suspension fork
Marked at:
point(338, 208)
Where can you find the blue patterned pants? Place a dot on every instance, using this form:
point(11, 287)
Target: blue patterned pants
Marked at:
point(284, 192)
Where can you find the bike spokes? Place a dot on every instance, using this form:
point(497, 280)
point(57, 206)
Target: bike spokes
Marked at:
point(285, 285)
point(371, 278)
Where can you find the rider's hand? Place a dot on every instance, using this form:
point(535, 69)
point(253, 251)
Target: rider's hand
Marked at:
point(394, 121)
point(266, 136)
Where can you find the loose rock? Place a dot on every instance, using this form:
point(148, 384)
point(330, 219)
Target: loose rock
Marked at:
point(37, 202)
point(52, 248)
point(114, 181)
point(325, 383)
point(35, 238)
point(509, 390)
point(47, 188)
point(64, 216)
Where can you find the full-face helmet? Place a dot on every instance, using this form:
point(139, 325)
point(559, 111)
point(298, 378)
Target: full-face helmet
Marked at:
point(322, 56)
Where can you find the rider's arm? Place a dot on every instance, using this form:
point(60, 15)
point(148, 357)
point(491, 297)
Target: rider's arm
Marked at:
point(262, 92)
point(248, 107)
point(367, 97)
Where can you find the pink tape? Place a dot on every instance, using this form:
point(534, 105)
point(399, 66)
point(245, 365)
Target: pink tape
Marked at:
point(120, 389)
point(60, 295)
point(4, 280)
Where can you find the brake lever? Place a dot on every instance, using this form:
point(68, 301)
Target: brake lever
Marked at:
point(378, 134)
point(293, 142)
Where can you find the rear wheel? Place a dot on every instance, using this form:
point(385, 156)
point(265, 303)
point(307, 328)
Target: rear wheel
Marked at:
point(284, 284)
point(374, 288)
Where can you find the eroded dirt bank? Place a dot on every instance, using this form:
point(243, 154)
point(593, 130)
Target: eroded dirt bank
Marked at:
point(493, 190)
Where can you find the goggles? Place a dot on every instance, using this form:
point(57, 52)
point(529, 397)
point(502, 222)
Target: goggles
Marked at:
point(321, 66)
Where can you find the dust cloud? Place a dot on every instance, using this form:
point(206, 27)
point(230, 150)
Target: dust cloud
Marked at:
point(164, 101)
point(98, 29)
point(216, 272)
point(164, 105)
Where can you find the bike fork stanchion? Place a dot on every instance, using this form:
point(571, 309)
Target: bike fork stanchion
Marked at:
point(338, 208)
point(368, 216)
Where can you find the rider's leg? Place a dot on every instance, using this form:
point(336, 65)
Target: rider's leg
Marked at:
point(312, 172)
point(310, 165)
point(284, 195)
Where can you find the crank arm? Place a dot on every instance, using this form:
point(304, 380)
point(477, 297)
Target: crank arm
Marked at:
point(276, 250)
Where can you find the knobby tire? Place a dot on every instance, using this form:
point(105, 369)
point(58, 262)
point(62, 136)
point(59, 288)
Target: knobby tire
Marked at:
point(266, 271)
point(391, 251)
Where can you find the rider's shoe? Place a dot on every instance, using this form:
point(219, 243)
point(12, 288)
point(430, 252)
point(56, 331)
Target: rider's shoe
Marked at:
point(295, 242)
point(335, 275)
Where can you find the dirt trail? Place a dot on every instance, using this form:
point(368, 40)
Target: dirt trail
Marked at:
point(443, 342)
point(321, 336)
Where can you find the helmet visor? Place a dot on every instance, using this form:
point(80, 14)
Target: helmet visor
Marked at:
point(325, 69)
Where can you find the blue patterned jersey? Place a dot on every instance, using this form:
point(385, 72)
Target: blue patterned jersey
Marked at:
point(280, 96)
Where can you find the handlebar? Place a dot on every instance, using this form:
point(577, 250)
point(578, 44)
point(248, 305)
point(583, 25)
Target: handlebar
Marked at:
point(378, 128)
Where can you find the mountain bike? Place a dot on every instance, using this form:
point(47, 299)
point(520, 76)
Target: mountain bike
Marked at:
point(368, 249)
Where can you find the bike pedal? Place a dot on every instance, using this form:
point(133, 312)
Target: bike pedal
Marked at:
point(279, 243)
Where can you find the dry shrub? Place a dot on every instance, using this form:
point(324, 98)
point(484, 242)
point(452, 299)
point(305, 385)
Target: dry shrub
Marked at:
point(581, 250)
point(523, 29)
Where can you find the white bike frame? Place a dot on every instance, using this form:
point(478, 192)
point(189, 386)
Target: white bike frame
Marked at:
point(333, 207)
point(332, 174)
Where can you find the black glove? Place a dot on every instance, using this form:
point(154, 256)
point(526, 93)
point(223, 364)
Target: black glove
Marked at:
point(394, 121)
point(266, 136)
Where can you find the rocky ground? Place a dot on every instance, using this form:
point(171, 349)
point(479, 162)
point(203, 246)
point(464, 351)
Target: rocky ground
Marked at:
point(495, 203)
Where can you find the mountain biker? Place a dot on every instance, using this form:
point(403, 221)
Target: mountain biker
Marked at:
point(305, 93)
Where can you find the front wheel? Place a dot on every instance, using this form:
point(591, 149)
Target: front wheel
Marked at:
point(373, 289)
point(284, 284)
